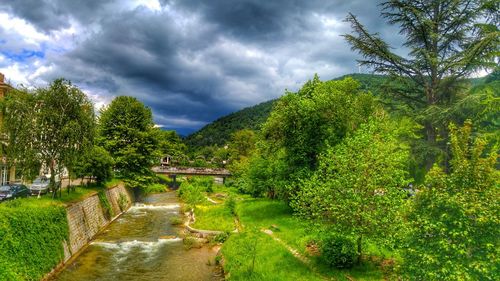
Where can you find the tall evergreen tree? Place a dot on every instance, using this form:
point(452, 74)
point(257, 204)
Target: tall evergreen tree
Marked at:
point(447, 40)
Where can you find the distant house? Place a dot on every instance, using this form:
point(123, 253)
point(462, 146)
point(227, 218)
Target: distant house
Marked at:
point(7, 174)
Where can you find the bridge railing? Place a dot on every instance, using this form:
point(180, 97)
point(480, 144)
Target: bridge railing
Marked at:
point(192, 170)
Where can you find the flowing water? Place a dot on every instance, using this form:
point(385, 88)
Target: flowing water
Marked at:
point(142, 245)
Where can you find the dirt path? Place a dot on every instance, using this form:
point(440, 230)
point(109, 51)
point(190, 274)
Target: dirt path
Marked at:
point(305, 260)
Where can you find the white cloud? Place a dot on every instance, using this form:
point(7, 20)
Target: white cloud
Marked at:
point(15, 74)
point(20, 27)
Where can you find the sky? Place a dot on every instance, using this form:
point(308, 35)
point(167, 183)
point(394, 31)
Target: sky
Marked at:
point(190, 61)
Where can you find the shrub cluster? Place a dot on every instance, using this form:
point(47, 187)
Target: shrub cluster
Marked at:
point(231, 204)
point(190, 194)
point(155, 188)
point(106, 206)
point(339, 251)
point(31, 236)
point(122, 202)
point(205, 183)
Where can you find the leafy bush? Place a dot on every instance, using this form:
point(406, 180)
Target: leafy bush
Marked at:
point(176, 220)
point(221, 237)
point(155, 188)
point(191, 242)
point(108, 211)
point(32, 232)
point(339, 251)
point(231, 204)
point(453, 222)
point(206, 183)
point(122, 202)
point(190, 194)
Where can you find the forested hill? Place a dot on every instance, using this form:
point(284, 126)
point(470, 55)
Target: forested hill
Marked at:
point(218, 132)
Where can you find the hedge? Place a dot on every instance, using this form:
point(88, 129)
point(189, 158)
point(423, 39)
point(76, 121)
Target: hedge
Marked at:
point(31, 235)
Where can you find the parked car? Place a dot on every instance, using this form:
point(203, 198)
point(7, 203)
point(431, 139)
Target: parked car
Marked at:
point(41, 184)
point(12, 191)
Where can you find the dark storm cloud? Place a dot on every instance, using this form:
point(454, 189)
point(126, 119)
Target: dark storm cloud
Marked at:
point(55, 14)
point(194, 61)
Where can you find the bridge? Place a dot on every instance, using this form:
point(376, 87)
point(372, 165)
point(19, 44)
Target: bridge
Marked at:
point(191, 171)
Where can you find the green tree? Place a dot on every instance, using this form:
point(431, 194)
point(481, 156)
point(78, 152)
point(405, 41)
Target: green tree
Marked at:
point(301, 126)
point(96, 163)
point(169, 143)
point(266, 175)
point(126, 131)
point(481, 104)
point(358, 187)
point(241, 148)
point(454, 222)
point(50, 125)
point(318, 115)
point(19, 119)
point(447, 40)
point(242, 144)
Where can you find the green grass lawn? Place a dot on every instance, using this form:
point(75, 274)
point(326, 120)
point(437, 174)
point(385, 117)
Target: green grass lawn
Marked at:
point(79, 193)
point(267, 214)
point(112, 182)
point(277, 216)
point(214, 217)
point(272, 261)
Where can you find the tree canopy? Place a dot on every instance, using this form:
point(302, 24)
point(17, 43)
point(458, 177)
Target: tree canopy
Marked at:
point(454, 220)
point(358, 186)
point(126, 131)
point(49, 126)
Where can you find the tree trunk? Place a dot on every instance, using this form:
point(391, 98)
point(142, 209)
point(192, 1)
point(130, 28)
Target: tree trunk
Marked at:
point(52, 182)
point(430, 131)
point(359, 248)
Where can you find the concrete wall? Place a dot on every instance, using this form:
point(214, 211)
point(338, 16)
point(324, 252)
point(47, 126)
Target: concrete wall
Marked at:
point(86, 218)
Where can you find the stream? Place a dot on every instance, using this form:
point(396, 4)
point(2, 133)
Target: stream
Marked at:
point(143, 245)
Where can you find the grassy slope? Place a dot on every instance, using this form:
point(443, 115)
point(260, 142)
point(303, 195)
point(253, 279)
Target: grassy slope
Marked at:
point(31, 233)
point(264, 214)
point(272, 261)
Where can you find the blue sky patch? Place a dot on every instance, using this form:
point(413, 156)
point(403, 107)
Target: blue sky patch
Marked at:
point(23, 56)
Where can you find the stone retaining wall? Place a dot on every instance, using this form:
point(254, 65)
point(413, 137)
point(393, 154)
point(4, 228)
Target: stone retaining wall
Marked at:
point(86, 218)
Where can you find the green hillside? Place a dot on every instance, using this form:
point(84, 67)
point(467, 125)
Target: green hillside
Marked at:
point(217, 132)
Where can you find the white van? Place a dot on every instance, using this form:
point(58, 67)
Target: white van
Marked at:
point(41, 184)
